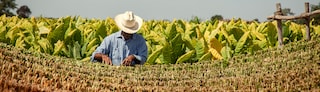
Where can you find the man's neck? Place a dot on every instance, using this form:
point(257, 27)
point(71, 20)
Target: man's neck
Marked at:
point(126, 36)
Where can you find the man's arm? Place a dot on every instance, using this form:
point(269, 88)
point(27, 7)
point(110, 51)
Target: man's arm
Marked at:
point(142, 55)
point(103, 58)
point(102, 49)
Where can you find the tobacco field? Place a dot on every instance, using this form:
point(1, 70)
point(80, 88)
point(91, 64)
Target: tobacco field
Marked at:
point(46, 54)
point(169, 42)
point(295, 67)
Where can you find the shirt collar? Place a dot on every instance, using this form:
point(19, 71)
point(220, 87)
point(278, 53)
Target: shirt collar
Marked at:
point(118, 35)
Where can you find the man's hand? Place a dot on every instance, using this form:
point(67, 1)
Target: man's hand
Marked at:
point(128, 60)
point(103, 58)
point(106, 60)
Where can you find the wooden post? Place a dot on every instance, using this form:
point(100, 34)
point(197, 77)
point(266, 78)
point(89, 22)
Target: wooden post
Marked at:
point(279, 25)
point(307, 10)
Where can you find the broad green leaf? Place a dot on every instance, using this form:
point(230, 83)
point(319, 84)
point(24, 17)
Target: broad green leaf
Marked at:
point(26, 25)
point(271, 32)
point(12, 34)
point(225, 34)
point(68, 35)
point(215, 44)
point(154, 55)
point(206, 56)
point(261, 27)
point(201, 47)
point(178, 46)
point(167, 53)
point(58, 47)
point(43, 30)
point(190, 43)
point(236, 32)
point(20, 42)
point(92, 43)
point(170, 31)
point(86, 59)
point(76, 52)
point(242, 42)
point(226, 52)
point(101, 30)
point(260, 36)
point(3, 33)
point(215, 54)
point(56, 34)
point(91, 50)
point(185, 57)
point(45, 45)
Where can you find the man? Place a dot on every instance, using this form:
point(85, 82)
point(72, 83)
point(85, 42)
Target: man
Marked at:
point(124, 47)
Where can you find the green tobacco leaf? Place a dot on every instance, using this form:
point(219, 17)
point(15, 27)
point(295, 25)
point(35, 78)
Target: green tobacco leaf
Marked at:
point(73, 35)
point(43, 30)
point(171, 31)
point(167, 53)
point(178, 46)
point(154, 55)
point(236, 32)
point(260, 36)
point(20, 42)
point(91, 50)
point(101, 30)
point(3, 33)
point(92, 43)
point(215, 44)
point(12, 34)
point(67, 21)
point(242, 42)
point(226, 52)
point(205, 57)
point(45, 45)
point(58, 47)
point(261, 27)
point(76, 52)
point(224, 33)
point(68, 35)
point(271, 32)
point(56, 34)
point(27, 25)
point(215, 54)
point(190, 43)
point(201, 47)
point(86, 59)
point(185, 57)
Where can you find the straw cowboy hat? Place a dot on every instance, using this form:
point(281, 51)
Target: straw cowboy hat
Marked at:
point(128, 22)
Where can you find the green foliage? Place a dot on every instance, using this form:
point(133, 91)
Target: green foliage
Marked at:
point(216, 18)
point(168, 42)
point(315, 17)
point(6, 6)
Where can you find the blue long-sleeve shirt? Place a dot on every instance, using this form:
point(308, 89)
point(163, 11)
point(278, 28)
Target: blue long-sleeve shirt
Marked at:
point(117, 48)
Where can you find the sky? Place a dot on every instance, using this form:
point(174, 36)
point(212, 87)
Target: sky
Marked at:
point(163, 9)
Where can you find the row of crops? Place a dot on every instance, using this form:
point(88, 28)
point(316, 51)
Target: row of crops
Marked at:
point(176, 41)
point(292, 68)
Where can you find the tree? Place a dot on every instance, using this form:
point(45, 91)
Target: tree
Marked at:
point(286, 12)
point(316, 17)
point(23, 11)
point(216, 17)
point(6, 6)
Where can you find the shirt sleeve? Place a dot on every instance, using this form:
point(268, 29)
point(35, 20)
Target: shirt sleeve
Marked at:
point(142, 52)
point(102, 48)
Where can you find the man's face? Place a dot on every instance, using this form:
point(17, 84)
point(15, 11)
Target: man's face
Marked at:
point(126, 35)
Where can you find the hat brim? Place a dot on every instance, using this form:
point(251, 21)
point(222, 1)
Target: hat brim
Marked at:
point(131, 30)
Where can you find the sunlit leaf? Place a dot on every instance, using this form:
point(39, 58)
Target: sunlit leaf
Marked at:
point(185, 57)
